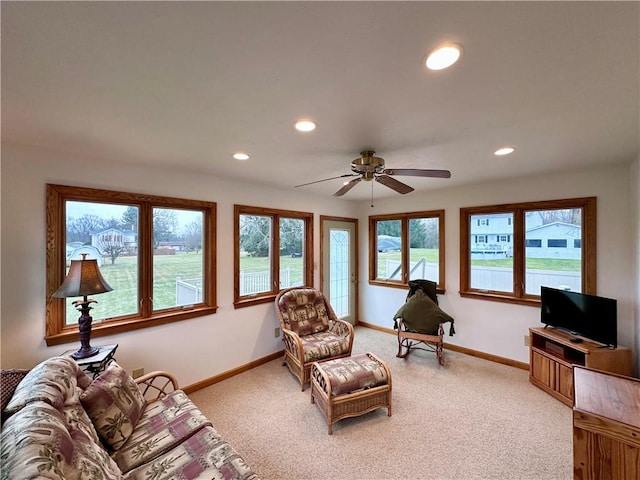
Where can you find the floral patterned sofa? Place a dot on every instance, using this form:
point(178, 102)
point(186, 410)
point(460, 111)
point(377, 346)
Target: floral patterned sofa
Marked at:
point(58, 423)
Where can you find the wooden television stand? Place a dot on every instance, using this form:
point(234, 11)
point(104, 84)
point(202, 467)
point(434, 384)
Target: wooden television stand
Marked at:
point(553, 355)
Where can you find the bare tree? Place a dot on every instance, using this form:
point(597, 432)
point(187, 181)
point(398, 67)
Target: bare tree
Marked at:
point(165, 223)
point(80, 229)
point(571, 216)
point(193, 235)
point(112, 249)
point(255, 234)
point(112, 246)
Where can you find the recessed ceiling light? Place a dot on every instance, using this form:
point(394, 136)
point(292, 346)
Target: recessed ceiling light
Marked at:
point(444, 56)
point(504, 151)
point(241, 156)
point(305, 126)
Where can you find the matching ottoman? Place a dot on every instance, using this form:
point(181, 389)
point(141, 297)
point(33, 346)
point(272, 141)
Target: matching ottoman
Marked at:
point(351, 386)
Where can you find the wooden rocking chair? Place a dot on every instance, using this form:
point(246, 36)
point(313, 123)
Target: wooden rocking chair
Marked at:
point(419, 341)
point(420, 321)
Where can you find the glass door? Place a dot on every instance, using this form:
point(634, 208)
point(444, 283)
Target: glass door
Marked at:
point(339, 268)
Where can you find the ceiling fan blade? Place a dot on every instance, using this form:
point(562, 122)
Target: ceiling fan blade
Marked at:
point(347, 187)
point(326, 179)
point(418, 172)
point(394, 184)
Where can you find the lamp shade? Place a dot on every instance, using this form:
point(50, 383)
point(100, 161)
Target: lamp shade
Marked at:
point(84, 278)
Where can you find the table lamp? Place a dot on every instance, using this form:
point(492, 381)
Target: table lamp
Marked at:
point(83, 279)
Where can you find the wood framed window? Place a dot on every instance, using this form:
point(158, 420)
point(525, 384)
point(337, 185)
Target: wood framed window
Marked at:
point(507, 252)
point(157, 253)
point(407, 246)
point(273, 249)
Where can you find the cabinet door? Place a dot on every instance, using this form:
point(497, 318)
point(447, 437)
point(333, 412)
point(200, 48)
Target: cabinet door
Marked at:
point(565, 381)
point(543, 369)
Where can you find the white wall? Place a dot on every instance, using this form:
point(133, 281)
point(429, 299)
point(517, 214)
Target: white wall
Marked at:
point(193, 349)
point(635, 222)
point(499, 328)
point(199, 348)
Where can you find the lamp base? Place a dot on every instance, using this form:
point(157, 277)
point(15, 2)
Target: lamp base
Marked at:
point(85, 352)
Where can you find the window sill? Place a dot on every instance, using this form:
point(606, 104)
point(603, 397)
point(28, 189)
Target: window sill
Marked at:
point(257, 300)
point(102, 329)
point(501, 297)
point(404, 286)
point(388, 283)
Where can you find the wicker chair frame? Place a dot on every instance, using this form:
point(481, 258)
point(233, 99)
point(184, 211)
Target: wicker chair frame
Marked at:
point(155, 385)
point(354, 404)
point(293, 347)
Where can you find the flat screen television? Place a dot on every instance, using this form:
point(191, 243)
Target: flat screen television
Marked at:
point(588, 316)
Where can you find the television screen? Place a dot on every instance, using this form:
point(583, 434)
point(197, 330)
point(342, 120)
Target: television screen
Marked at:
point(588, 316)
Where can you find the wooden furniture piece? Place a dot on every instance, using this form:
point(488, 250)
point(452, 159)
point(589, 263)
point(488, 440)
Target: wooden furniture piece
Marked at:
point(350, 387)
point(552, 355)
point(606, 426)
point(95, 364)
point(311, 330)
point(409, 340)
point(420, 320)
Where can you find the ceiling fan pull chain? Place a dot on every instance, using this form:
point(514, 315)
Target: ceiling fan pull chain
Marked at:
point(371, 194)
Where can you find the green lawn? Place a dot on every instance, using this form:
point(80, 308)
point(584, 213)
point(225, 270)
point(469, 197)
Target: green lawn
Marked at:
point(258, 264)
point(555, 264)
point(123, 276)
point(431, 256)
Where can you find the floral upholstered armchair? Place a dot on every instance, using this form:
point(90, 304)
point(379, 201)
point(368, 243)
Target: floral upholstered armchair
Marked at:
point(311, 331)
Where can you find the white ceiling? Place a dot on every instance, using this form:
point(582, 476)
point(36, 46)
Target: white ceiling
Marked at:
point(188, 83)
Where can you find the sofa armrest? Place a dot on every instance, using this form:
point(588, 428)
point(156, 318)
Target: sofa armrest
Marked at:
point(155, 385)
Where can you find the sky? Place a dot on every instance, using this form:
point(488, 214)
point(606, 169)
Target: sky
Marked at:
point(108, 211)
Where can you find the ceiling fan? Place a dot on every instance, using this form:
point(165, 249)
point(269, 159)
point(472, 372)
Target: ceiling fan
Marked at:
point(369, 167)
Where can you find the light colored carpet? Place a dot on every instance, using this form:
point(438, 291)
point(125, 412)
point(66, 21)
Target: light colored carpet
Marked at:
point(471, 419)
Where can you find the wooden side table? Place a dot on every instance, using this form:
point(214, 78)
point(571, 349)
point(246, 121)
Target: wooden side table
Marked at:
point(606, 426)
point(95, 364)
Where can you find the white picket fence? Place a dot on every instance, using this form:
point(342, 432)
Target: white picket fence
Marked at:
point(501, 279)
point(257, 282)
point(492, 278)
point(189, 291)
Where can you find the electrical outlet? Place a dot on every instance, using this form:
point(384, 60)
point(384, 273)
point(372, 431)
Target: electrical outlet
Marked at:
point(277, 332)
point(138, 372)
point(527, 340)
